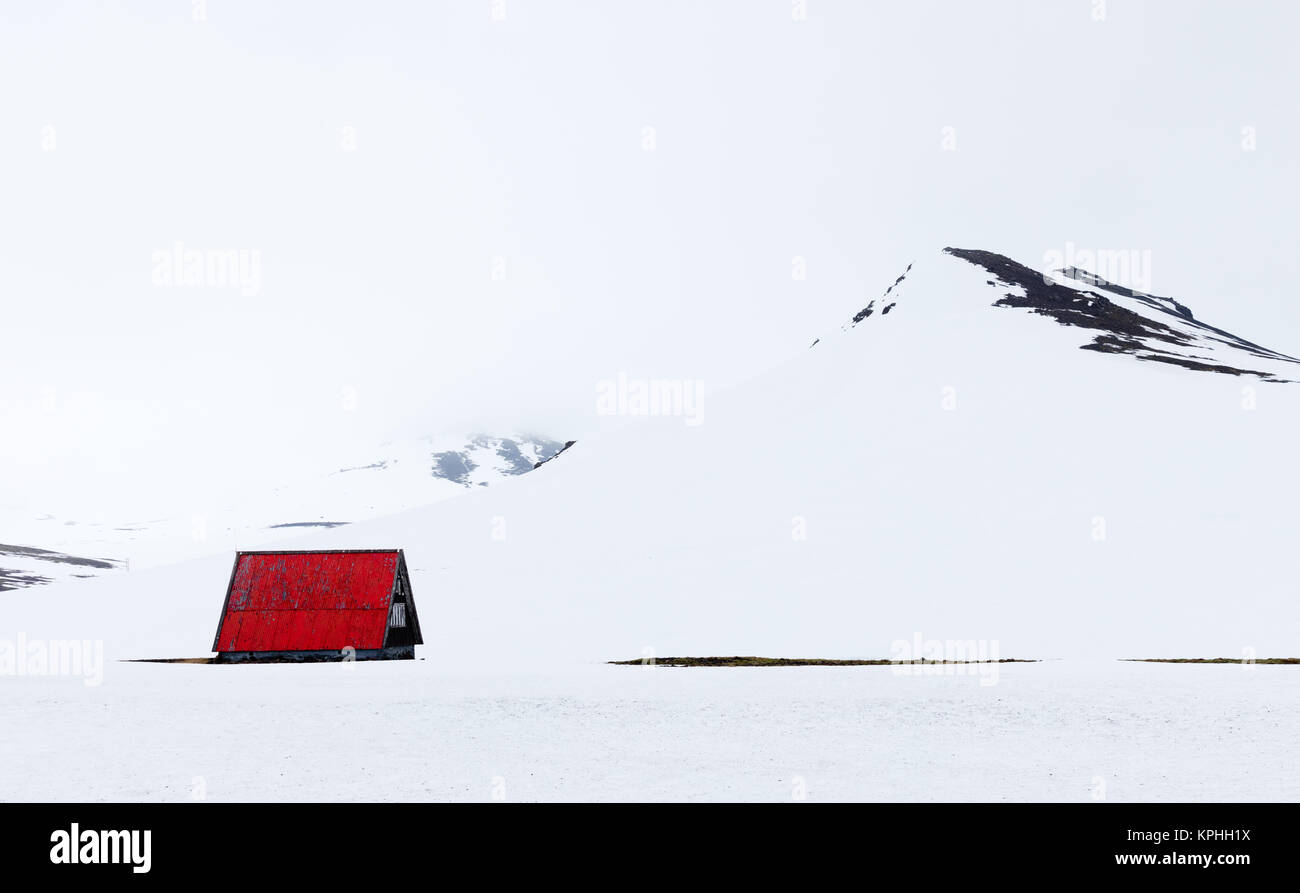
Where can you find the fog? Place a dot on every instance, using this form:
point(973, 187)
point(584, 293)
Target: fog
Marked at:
point(466, 215)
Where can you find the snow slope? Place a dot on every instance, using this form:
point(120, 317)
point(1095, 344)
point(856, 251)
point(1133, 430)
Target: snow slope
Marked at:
point(956, 469)
point(396, 476)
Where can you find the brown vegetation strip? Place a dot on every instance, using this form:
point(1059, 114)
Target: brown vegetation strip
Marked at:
point(1212, 660)
point(795, 662)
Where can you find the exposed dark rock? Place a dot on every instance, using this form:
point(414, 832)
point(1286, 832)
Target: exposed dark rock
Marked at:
point(567, 444)
point(868, 310)
point(57, 557)
point(454, 466)
point(1173, 337)
point(378, 466)
point(326, 524)
point(864, 313)
point(1167, 305)
point(19, 580)
point(508, 450)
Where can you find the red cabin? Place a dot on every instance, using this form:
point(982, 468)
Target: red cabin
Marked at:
point(314, 606)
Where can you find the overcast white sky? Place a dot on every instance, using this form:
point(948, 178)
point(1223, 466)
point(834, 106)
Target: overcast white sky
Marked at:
point(125, 128)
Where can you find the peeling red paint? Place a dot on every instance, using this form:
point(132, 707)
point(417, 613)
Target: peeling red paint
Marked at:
point(306, 601)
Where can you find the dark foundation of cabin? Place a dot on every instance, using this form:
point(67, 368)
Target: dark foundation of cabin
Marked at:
point(398, 652)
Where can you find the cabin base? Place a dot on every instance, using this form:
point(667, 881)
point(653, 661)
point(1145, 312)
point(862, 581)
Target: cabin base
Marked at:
point(401, 652)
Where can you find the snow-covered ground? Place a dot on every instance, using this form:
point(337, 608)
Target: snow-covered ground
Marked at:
point(425, 730)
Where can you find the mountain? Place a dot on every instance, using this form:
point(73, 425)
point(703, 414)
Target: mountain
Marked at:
point(394, 477)
point(1050, 465)
point(1115, 319)
point(484, 458)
